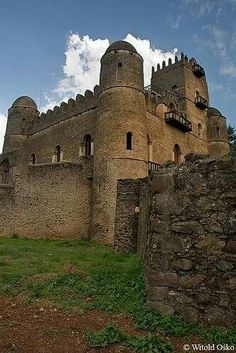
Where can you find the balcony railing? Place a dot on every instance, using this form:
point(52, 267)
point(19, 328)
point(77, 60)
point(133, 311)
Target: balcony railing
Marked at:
point(176, 119)
point(198, 70)
point(152, 166)
point(201, 102)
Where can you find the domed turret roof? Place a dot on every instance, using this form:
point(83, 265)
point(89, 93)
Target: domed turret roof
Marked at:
point(121, 45)
point(213, 112)
point(25, 101)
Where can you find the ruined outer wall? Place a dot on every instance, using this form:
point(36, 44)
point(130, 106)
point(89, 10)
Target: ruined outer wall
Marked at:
point(51, 200)
point(190, 252)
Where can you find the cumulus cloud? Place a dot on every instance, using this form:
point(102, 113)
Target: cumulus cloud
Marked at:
point(82, 65)
point(3, 122)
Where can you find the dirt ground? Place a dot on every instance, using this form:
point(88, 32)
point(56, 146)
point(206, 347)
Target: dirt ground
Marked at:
point(37, 328)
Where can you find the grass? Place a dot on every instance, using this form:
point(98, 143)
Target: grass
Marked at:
point(81, 274)
point(111, 334)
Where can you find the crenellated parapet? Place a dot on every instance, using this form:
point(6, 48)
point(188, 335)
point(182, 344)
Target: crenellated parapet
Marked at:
point(160, 96)
point(73, 107)
point(183, 59)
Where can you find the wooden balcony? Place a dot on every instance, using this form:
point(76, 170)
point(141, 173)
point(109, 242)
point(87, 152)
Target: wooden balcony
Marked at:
point(176, 119)
point(198, 70)
point(201, 102)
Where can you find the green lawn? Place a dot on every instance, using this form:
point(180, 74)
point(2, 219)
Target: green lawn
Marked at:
point(70, 273)
point(80, 274)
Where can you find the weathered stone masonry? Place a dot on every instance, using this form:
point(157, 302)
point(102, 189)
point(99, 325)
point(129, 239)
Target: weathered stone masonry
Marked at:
point(190, 253)
point(191, 246)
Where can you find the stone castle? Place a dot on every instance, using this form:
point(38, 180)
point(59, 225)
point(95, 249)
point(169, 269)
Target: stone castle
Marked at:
point(59, 170)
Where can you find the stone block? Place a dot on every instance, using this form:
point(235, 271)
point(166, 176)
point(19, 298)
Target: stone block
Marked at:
point(157, 278)
point(183, 264)
point(191, 282)
point(231, 247)
point(187, 227)
point(157, 293)
point(211, 244)
point(163, 308)
point(162, 183)
point(168, 204)
point(232, 283)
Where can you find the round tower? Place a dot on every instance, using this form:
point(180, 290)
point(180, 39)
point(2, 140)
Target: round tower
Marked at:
point(120, 143)
point(21, 116)
point(217, 133)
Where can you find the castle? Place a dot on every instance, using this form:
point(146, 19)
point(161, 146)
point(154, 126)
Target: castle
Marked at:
point(59, 170)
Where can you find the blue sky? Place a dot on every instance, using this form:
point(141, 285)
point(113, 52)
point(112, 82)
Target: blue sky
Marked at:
point(50, 49)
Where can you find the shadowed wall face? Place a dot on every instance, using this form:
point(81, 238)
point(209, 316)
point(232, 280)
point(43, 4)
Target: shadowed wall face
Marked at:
point(190, 246)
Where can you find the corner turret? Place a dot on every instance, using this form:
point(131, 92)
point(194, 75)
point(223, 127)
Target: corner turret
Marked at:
point(120, 133)
point(21, 116)
point(217, 133)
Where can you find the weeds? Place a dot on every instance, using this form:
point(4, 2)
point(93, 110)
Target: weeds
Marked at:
point(111, 334)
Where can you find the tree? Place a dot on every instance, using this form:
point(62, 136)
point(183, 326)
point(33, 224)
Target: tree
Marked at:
point(232, 138)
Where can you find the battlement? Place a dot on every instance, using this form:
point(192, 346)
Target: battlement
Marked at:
point(192, 64)
point(66, 110)
point(161, 95)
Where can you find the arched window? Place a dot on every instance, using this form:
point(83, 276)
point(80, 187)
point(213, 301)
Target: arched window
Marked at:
point(177, 154)
point(199, 130)
point(87, 145)
point(172, 107)
point(119, 72)
point(58, 152)
point(33, 158)
point(4, 172)
point(217, 132)
point(129, 141)
point(197, 94)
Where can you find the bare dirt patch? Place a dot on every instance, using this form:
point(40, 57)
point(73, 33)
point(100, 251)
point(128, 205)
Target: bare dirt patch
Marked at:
point(35, 329)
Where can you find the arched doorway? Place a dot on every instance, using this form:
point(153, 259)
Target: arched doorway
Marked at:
point(177, 154)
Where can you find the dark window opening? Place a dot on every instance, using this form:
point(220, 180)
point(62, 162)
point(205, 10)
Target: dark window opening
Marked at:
point(218, 131)
point(129, 141)
point(33, 158)
point(88, 144)
point(119, 72)
point(58, 153)
point(199, 130)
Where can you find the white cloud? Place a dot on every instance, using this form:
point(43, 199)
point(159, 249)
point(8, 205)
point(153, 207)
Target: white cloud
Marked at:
point(3, 123)
point(201, 7)
point(82, 65)
point(229, 70)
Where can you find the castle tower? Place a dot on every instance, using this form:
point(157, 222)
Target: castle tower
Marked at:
point(21, 116)
point(187, 78)
point(120, 144)
point(217, 133)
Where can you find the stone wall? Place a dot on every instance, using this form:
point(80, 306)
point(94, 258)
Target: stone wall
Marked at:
point(190, 253)
point(127, 211)
point(48, 200)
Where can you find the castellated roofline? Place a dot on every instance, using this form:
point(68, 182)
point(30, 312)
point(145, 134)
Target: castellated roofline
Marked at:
point(80, 104)
point(179, 60)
